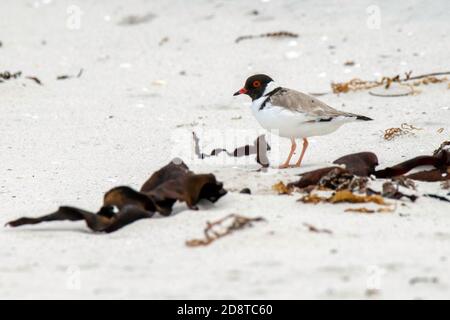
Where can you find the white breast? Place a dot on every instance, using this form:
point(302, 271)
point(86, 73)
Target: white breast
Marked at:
point(287, 123)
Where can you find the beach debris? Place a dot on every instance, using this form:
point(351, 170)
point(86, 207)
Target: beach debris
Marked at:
point(440, 130)
point(404, 182)
point(369, 211)
point(445, 185)
point(361, 164)
point(405, 129)
point(281, 188)
point(343, 196)
point(416, 280)
point(279, 34)
point(66, 76)
point(337, 179)
point(445, 146)
point(312, 178)
point(246, 191)
point(357, 84)
point(6, 75)
point(440, 160)
point(436, 196)
point(123, 205)
point(358, 166)
point(259, 147)
point(314, 229)
point(132, 20)
point(35, 79)
point(223, 227)
point(349, 63)
point(390, 189)
point(360, 210)
point(348, 196)
point(163, 41)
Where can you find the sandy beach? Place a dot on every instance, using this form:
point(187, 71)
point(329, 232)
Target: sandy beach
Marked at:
point(139, 76)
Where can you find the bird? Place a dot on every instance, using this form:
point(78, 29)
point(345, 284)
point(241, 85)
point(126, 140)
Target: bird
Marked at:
point(292, 114)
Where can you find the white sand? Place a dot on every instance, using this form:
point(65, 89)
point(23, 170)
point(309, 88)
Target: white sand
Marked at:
point(68, 142)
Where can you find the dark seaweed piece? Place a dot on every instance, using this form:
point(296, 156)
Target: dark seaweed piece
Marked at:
point(6, 75)
point(390, 190)
point(35, 79)
point(441, 160)
point(246, 191)
point(338, 179)
point(259, 147)
point(313, 177)
point(430, 175)
point(103, 221)
point(360, 164)
point(124, 205)
point(66, 76)
point(175, 182)
point(435, 196)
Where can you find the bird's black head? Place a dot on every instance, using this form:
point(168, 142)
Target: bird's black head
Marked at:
point(255, 86)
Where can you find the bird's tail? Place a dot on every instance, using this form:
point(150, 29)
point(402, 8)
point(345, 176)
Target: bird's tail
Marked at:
point(363, 118)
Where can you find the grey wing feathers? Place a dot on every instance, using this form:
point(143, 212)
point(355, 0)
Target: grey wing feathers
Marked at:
point(300, 102)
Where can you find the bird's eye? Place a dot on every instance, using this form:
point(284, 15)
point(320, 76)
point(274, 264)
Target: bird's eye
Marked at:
point(256, 84)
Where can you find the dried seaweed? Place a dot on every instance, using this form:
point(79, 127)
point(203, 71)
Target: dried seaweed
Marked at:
point(132, 20)
point(405, 182)
point(343, 180)
point(223, 227)
point(6, 75)
point(259, 147)
point(281, 188)
point(369, 211)
point(359, 84)
point(344, 196)
point(312, 178)
point(124, 205)
point(405, 129)
point(391, 191)
point(360, 210)
point(314, 229)
point(445, 146)
point(66, 76)
point(334, 178)
point(279, 34)
point(35, 79)
point(348, 196)
point(436, 196)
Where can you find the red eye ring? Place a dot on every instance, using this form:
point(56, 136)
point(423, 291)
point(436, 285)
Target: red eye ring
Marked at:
point(256, 83)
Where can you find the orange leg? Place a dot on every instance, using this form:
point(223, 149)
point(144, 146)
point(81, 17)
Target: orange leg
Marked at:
point(293, 147)
point(305, 146)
